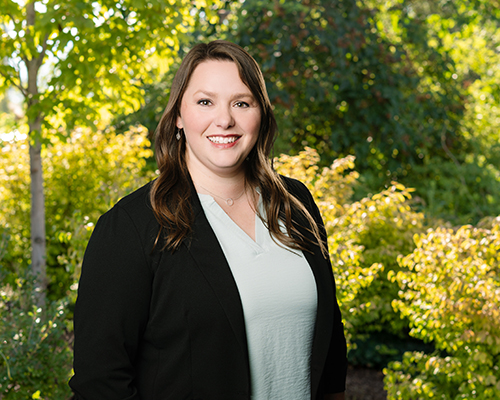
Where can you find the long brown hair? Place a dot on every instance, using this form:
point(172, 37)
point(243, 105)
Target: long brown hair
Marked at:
point(171, 192)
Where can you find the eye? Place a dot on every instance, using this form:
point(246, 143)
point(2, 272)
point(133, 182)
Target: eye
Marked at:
point(204, 102)
point(241, 104)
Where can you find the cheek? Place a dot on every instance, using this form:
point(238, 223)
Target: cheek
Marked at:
point(252, 123)
point(193, 121)
point(193, 129)
point(254, 128)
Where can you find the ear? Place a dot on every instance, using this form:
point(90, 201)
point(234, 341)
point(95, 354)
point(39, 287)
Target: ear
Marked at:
point(178, 123)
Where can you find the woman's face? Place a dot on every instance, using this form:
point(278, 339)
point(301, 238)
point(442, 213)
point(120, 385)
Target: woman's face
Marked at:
point(220, 118)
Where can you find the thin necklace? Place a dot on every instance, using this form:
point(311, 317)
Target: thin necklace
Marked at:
point(229, 201)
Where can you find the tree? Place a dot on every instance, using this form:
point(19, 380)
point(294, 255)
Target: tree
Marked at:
point(390, 82)
point(338, 84)
point(71, 60)
point(452, 46)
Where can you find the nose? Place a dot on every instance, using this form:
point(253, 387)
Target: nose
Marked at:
point(224, 118)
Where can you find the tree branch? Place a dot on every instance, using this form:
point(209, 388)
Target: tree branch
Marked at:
point(11, 17)
point(11, 81)
point(25, 89)
point(41, 56)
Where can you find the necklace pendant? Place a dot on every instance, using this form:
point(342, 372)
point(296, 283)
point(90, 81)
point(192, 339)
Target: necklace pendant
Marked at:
point(229, 202)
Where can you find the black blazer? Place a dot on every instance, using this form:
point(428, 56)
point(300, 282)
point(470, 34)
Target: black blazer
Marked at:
point(154, 325)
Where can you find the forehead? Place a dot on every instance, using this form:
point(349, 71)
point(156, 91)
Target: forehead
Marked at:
point(216, 75)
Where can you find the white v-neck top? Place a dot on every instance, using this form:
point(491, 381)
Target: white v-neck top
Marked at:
point(279, 298)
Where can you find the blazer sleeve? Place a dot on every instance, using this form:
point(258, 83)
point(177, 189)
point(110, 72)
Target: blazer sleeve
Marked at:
point(333, 379)
point(111, 310)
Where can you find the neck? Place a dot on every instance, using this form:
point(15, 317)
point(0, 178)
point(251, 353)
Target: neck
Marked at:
point(223, 190)
point(230, 186)
point(227, 191)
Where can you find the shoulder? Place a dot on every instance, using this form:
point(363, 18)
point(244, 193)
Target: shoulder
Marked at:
point(300, 191)
point(293, 185)
point(132, 215)
point(297, 189)
point(136, 205)
point(137, 200)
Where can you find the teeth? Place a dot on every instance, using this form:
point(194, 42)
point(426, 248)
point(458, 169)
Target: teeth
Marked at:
point(222, 139)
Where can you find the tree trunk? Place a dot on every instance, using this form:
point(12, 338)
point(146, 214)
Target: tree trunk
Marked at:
point(35, 118)
point(38, 243)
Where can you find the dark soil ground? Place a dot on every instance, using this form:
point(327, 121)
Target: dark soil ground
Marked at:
point(365, 384)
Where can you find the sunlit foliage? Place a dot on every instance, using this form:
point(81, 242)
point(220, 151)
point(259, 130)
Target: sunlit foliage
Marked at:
point(84, 176)
point(450, 291)
point(95, 56)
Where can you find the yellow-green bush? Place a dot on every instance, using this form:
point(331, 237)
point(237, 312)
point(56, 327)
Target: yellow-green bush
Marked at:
point(380, 228)
point(83, 176)
point(450, 291)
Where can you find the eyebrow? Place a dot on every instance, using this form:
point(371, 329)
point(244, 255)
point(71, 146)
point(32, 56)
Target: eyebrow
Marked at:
point(212, 94)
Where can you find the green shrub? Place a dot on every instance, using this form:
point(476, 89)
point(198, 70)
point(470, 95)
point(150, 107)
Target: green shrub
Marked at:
point(463, 193)
point(35, 358)
point(449, 291)
point(381, 227)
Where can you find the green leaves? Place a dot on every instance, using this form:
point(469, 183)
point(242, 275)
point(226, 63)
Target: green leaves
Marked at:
point(450, 286)
point(93, 53)
point(35, 356)
point(336, 81)
point(409, 88)
point(85, 175)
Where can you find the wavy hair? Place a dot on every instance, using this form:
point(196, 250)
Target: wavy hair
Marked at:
point(171, 192)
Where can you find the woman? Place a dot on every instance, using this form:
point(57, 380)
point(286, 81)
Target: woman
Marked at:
point(213, 281)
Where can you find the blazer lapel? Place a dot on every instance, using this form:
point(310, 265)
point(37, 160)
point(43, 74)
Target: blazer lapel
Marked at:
point(323, 275)
point(324, 316)
point(206, 251)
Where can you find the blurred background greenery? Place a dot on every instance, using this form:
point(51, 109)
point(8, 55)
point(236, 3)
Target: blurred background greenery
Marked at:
point(388, 110)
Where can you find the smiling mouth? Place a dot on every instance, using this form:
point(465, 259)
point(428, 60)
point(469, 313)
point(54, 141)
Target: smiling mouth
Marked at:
point(223, 139)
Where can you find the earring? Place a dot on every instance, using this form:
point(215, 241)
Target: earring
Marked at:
point(178, 135)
